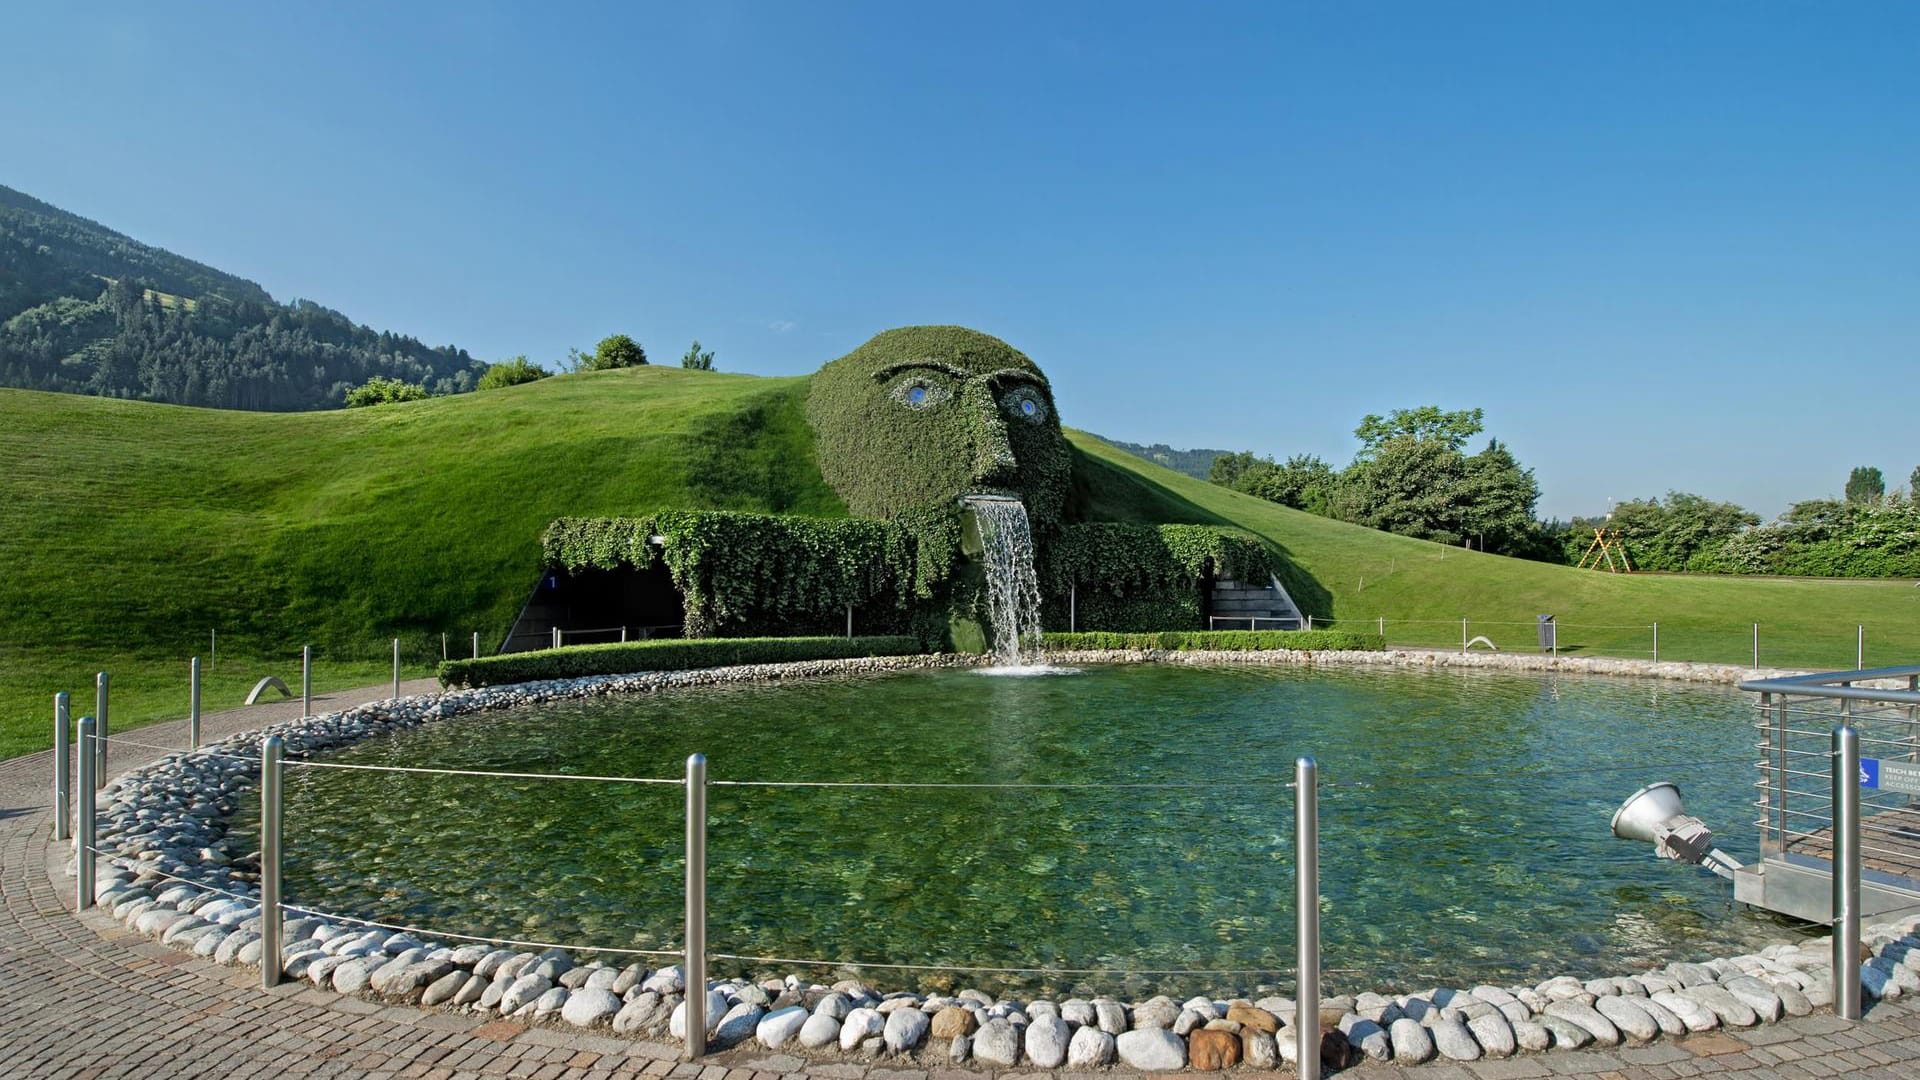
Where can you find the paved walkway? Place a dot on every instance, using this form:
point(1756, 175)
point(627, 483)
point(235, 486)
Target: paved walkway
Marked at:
point(83, 997)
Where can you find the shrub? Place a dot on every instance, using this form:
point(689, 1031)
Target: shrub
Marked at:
point(381, 390)
point(511, 373)
point(576, 661)
point(1217, 640)
point(614, 351)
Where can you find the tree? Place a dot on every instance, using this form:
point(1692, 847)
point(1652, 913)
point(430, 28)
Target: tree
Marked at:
point(1673, 534)
point(511, 373)
point(1913, 485)
point(1407, 485)
point(1497, 498)
point(1865, 485)
point(614, 351)
point(1233, 470)
point(697, 360)
point(381, 390)
point(1303, 482)
point(1423, 423)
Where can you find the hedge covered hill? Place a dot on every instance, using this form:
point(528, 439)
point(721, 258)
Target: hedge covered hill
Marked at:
point(85, 309)
point(128, 530)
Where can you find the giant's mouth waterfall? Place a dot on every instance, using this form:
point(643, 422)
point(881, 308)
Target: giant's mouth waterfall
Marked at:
point(1013, 589)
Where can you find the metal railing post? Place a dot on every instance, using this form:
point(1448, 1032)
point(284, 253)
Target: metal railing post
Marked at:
point(443, 645)
point(1846, 872)
point(1252, 625)
point(271, 772)
point(476, 644)
point(62, 768)
point(849, 622)
point(1463, 643)
point(1756, 646)
point(1306, 901)
point(556, 637)
point(695, 966)
point(100, 686)
point(1860, 647)
point(193, 704)
point(1073, 607)
point(396, 669)
point(1656, 642)
point(1383, 629)
point(85, 841)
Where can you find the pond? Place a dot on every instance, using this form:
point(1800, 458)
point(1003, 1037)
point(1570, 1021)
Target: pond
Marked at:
point(1464, 825)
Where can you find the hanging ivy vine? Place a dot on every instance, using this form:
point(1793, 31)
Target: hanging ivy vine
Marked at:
point(753, 573)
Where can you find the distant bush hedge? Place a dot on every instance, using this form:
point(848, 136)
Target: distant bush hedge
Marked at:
point(575, 661)
point(1220, 640)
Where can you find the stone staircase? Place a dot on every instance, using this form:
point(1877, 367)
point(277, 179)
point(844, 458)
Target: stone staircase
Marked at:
point(1237, 605)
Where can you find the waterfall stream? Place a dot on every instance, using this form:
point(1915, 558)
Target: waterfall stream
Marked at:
point(1013, 589)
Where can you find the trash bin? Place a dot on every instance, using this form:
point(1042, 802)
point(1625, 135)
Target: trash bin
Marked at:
point(1549, 634)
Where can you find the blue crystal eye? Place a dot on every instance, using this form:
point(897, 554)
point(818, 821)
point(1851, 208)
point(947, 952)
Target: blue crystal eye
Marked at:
point(1025, 403)
point(921, 392)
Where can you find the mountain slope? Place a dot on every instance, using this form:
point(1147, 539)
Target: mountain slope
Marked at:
point(85, 309)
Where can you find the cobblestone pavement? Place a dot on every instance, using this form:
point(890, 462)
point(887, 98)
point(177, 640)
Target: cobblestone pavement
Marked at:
point(83, 997)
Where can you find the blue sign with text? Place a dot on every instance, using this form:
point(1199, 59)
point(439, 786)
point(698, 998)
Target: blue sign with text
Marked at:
point(1869, 772)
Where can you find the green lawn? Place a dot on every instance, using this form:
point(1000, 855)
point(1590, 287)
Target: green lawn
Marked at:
point(129, 531)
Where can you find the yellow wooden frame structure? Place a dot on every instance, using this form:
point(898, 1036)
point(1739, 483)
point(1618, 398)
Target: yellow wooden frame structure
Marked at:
point(1606, 544)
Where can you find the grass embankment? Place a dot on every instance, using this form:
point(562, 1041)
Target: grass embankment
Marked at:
point(1349, 578)
point(129, 530)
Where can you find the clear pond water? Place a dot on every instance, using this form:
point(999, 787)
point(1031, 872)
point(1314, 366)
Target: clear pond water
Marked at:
point(1463, 825)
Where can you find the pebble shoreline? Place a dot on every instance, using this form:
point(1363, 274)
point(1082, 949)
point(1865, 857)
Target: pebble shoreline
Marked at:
point(175, 877)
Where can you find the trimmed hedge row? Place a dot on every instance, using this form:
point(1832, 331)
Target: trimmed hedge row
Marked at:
point(575, 661)
point(1217, 640)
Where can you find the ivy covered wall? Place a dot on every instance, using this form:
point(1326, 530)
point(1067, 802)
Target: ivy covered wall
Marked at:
point(741, 573)
point(1142, 577)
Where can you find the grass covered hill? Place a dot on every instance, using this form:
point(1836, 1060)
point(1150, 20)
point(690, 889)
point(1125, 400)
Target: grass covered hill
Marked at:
point(128, 530)
point(85, 309)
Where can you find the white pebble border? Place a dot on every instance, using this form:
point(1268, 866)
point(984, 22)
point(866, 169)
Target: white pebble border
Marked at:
point(174, 877)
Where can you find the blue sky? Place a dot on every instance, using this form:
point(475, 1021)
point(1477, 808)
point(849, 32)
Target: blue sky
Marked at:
point(1663, 246)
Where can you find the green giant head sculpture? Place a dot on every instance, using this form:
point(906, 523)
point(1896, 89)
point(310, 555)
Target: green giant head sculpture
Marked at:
point(920, 416)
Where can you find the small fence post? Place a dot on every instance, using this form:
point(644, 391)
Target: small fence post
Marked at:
point(396, 669)
point(443, 645)
point(849, 622)
point(1846, 872)
point(1860, 647)
point(1383, 629)
point(695, 966)
point(476, 644)
point(1073, 607)
point(623, 635)
point(86, 841)
point(1756, 646)
point(306, 681)
point(62, 768)
point(1656, 642)
point(1306, 902)
point(193, 704)
point(100, 686)
point(1463, 635)
point(1309, 623)
point(270, 860)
